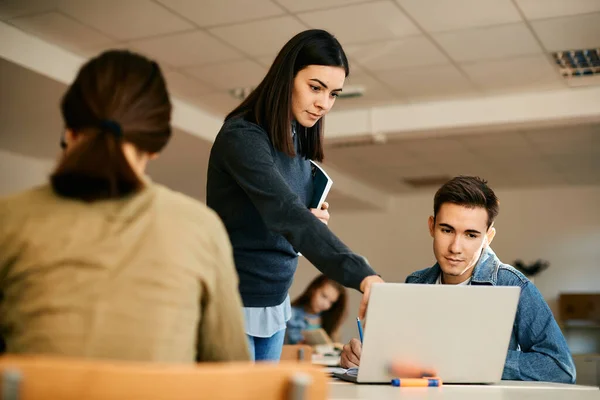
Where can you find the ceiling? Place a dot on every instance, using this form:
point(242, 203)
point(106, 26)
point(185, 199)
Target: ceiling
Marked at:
point(401, 51)
point(30, 124)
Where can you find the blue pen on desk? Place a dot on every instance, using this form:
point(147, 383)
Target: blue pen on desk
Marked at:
point(360, 331)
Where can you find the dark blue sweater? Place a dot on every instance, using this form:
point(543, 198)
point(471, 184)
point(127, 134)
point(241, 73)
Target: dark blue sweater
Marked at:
point(262, 196)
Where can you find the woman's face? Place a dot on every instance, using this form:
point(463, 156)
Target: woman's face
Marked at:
point(323, 298)
point(315, 89)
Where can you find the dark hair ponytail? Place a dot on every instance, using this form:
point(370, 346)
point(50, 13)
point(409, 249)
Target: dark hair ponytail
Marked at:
point(117, 96)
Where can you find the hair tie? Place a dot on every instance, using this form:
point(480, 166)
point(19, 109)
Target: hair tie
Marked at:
point(111, 126)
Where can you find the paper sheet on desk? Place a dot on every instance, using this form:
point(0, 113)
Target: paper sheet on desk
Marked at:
point(341, 371)
point(333, 370)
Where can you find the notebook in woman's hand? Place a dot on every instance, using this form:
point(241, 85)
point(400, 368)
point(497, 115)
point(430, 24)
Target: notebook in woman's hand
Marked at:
point(321, 185)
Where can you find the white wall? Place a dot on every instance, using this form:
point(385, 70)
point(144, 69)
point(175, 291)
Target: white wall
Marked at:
point(561, 225)
point(18, 172)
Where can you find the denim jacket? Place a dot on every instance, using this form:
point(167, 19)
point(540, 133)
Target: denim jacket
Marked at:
point(298, 323)
point(537, 350)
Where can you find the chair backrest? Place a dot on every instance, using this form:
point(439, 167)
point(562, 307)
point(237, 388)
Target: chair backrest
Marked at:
point(297, 352)
point(36, 378)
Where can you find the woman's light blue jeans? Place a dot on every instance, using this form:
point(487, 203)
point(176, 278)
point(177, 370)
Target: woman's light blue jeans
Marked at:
point(266, 348)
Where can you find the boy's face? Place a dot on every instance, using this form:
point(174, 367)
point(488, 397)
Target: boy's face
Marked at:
point(459, 235)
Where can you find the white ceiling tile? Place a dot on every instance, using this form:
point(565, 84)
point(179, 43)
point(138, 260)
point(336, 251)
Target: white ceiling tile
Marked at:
point(126, 20)
point(364, 80)
point(230, 75)
point(375, 93)
point(354, 66)
point(219, 12)
point(185, 87)
point(540, 9)
point(266, 61)
point(307, 5)
point(187, 49)
point(58, 29)
point(569, 33)
point(219, 104)
point(97, 50)
point(260, 38)
point(377, 20)
point(489, 42)
point(532, 72)
point(427, 82)
point(447, 15)
point(413, 51)
point(18, 8)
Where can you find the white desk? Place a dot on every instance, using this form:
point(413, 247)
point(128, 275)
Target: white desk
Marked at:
point(326, 361)
point(506, 390)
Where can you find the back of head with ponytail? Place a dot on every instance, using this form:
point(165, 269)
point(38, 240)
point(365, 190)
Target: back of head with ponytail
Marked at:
point(117, 96)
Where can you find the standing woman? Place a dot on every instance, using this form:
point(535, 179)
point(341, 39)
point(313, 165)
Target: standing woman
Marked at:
point(260, 184)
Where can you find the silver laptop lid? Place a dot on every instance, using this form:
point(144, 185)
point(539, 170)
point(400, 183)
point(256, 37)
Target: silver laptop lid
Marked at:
point(461, 332)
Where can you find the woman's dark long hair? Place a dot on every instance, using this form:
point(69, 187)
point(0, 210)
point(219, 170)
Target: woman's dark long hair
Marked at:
point(332, 319)
point(270, 104)
point(117, 96)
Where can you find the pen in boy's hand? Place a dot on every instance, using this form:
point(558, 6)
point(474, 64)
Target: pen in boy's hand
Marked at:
point(360, 331)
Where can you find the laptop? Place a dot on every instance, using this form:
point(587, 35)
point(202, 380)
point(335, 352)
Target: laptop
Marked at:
point(461, 333)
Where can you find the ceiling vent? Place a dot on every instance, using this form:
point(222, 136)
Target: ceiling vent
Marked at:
point(241, 93)
point(426, 181)
point(576, 63)
point(352, 91)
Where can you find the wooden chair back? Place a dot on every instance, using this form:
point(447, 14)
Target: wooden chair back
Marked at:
point(297, 352)
point(37, 378)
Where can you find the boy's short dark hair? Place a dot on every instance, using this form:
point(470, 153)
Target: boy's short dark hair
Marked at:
point(468, 191)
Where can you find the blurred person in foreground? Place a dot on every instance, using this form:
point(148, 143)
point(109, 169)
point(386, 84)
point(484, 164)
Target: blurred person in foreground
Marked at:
point(103, 263)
